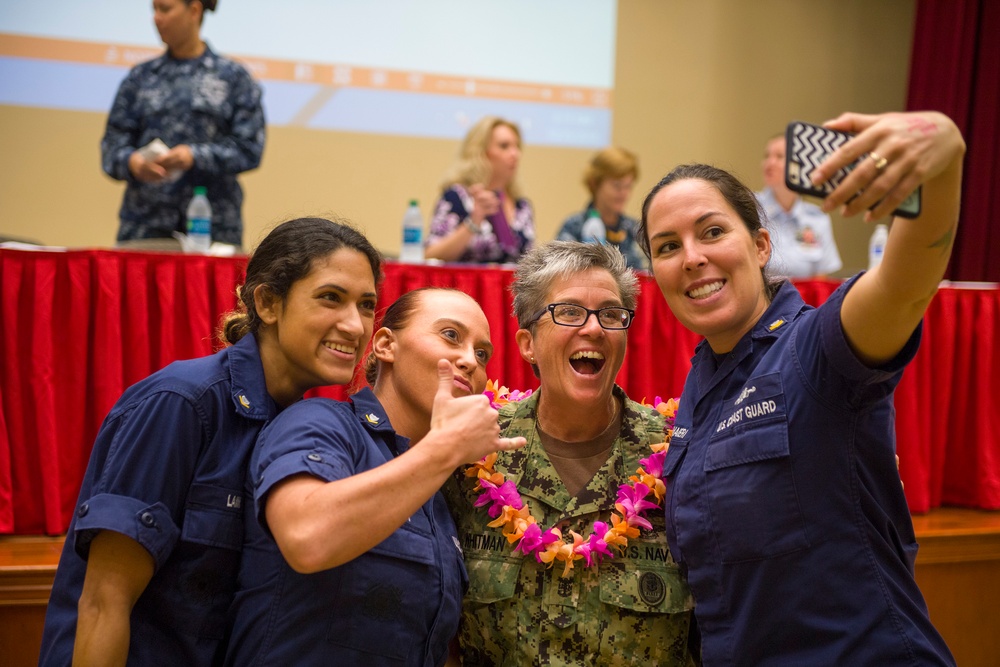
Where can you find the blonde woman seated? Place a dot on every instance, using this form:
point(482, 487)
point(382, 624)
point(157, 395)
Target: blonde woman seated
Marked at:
point(482, 216)
point(574, 303)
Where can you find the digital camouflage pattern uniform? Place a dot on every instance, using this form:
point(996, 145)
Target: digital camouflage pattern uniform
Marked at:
point(633, 608)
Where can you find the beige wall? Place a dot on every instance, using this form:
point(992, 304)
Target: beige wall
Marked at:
point(705, 80)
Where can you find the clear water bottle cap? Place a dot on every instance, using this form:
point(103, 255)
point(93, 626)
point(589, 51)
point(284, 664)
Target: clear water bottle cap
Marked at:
point(413, 202)
point(200, 189)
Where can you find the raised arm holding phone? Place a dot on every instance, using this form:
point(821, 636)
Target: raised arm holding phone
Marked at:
point(784, 504)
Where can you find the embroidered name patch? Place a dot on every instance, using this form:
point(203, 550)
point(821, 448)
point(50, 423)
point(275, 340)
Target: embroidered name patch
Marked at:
point(759, 398)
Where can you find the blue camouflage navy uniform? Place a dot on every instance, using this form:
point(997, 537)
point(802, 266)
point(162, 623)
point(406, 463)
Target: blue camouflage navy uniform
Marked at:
point(634, 608)
point(211, 104)
point(785, 508)
point(396, 604)
point(167, 470)
point(622, 237)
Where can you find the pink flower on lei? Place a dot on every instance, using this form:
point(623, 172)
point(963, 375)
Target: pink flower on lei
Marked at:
point(505, 494)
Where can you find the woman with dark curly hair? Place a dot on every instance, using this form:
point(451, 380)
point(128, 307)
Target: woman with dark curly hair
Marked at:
point(150, 562)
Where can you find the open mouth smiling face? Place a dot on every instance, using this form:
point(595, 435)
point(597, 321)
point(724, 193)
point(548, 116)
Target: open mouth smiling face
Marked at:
point(577, 365)
point(587, 362)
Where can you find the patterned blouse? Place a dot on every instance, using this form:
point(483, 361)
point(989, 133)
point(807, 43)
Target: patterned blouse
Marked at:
point(454, 207)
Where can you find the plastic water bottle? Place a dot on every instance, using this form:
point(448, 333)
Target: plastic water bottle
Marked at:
point(876, 245)
point(594, 230)
point(412, 250)
point(199, 221)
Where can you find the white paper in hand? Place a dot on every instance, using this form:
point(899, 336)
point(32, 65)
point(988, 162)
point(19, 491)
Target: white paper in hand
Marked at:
point(155, 149)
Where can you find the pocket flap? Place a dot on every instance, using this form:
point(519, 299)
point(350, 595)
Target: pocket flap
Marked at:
point(407, 544)
point(214, 517)
point(492, 579)
point(753, 426)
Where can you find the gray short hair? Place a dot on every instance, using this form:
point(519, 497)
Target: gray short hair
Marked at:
point(543, 264)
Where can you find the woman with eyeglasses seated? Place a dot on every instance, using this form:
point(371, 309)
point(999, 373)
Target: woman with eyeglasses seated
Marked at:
point(609, 178)
point(540, 601)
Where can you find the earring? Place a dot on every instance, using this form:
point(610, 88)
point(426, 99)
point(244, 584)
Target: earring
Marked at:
point(532, 360)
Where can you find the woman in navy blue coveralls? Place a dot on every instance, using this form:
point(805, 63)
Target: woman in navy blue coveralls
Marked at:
point(352, 557)
point(784, 505)
point(149, 567)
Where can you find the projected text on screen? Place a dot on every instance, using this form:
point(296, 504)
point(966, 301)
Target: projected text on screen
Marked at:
point(427, 68)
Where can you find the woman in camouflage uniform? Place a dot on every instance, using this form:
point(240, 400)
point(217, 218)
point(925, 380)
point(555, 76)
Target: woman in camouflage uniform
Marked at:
point(585, 438)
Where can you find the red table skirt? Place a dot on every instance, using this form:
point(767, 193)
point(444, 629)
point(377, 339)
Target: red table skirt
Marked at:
point(79, 327)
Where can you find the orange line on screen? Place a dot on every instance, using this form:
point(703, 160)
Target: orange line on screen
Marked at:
point(333, 75)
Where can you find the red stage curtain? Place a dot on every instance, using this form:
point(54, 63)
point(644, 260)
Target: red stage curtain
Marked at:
point(79, 327)
point(955, 69)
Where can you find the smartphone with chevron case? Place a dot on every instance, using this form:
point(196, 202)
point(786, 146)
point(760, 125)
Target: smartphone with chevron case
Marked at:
point(807, 145)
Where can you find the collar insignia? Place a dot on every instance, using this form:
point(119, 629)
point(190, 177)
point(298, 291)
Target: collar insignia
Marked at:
point(244, 401)
point(372, 418)
point(775, 325)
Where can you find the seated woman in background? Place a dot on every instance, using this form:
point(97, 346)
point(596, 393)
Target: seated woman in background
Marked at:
point(482, 217)
point(609, 179)
point(351, 556)
point(150, 562)
point(573, 302)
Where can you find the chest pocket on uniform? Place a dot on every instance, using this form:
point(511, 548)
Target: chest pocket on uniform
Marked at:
point(214, 517)
point(751, 486)
point(198, 581)
point(491, 579)
point(645, 579)
point(386, 598)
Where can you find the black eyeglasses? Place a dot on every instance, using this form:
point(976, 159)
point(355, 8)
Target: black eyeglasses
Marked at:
point(573, 315)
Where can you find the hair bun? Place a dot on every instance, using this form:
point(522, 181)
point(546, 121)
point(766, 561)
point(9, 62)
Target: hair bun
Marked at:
point(209, 5)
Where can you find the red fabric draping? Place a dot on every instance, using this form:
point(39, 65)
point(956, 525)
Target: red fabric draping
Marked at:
point(79, 327)
point(955, 68)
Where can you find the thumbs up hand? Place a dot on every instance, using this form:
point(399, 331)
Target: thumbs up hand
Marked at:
point(468, 424)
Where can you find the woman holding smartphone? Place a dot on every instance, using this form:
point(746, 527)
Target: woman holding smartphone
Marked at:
point(784, 504)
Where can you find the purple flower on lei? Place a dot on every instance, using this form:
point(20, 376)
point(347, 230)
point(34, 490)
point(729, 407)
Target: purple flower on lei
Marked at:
point(505, 494)
point(632, 504)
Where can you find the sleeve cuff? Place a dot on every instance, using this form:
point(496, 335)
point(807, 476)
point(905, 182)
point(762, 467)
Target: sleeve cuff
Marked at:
point(149, 525)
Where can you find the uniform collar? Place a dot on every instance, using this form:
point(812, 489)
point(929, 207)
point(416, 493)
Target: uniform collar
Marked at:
point(373, 417)
point(248, 384)
point(524, 465)
point(208, 59)
point(774, 208)
point(619, 224)
point(786, 305)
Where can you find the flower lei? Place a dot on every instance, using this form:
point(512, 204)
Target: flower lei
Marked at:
point(522, 530)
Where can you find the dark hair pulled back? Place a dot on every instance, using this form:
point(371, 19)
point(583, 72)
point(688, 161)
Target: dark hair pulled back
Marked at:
point(285, 256)
point(741, 198)
point(207, 5)
point(395, 318)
